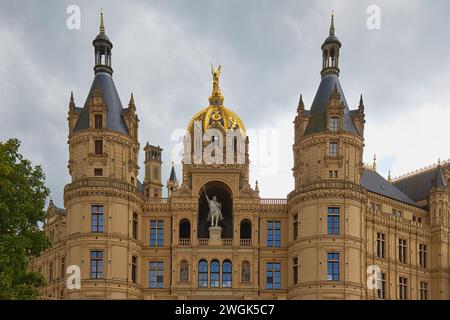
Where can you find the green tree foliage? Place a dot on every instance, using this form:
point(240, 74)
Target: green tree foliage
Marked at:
point(22, 201)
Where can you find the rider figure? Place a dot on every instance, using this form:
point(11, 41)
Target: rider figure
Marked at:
point(215, 211)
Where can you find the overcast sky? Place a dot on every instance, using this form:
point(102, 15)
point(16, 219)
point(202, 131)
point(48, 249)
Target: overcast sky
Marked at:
point(269, 52)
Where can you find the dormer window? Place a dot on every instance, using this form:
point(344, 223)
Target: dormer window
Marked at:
point(334, 121)
point(98, 121)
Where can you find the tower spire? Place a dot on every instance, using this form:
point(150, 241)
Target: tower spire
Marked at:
point(332, 30)
point(71, 102)
point(102, 24)
point(330, 51)
point(301, 105)
point(374, 165)
point(102, 52)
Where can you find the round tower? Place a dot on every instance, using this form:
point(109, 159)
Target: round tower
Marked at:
point(102, 200)
point(327, 207)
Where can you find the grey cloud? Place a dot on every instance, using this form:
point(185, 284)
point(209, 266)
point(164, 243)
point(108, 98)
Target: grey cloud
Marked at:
point(269, 51)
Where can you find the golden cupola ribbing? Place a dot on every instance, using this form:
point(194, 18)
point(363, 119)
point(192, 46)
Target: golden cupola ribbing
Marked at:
point(216, 115)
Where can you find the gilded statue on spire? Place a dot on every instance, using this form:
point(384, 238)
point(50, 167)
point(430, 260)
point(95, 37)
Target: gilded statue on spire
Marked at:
point(216, 96)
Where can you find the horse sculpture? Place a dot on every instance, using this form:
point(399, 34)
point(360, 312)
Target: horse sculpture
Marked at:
point(215, 210)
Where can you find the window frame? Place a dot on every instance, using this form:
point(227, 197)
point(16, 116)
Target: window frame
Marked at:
point(96, 264)
point(135, 226)
point(423, 290)
point(402, 288)
point(156, 233)
point(274, 234)
point(273, 272)
point(333, 266)
point(295, 225)
point(402, 246)
point(98, 146)
point(97, 218)
point(227, 274)
point(381, 292)
point(380, 245)
point(98, 124)
point(295, 270)
point(334, 123)
point(333, 221)
point(134, 271)
point(156, 274)
point(203, 273)
point(333, 149)
point(214, 274)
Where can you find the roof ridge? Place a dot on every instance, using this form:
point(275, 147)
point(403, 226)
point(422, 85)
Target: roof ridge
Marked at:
point(421, 171)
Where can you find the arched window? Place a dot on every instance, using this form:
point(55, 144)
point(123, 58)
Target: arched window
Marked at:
point(245, 272)
point(226, 274)
point(184, 229)
point(202, 274)
point(214, 281)
point(184, 271)
point(246, 229)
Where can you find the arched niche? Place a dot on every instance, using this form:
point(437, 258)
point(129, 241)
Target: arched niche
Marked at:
point(184, 229)
point(224, 196)
point(245, 229)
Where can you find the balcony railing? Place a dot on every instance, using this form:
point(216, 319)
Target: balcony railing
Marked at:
point(203, 241)
point(184, 241)
point(273, 201)
point(227, 242)
point(246, 242)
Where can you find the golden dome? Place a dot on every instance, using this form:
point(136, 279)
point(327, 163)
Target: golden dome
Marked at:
point(216, 115)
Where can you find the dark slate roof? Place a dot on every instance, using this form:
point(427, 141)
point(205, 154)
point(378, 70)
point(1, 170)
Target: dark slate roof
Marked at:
point(439, 180)
point(318, 122)
point(140, 186)
point(60, 211)
point(418, 186)
point(114, 120)
point(332, 39)
point(173, 176)
point(375, 183)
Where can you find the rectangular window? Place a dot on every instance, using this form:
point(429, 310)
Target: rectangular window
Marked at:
point(156, 233)
point(333, 221)
point(98, 172)
point(402, 288)
point(63, 267)
point(380, 244)
point(334, 123)
point(156, 275)
point(333, 266)
point(135, 225)
point(97, 218)
point(134, 269)
point(273, 275)
point(98, 121)
point(295, 270)
point(423, 291)
point(333, 174)
point(96, 264)
point(50, 272)
point(402, 250)
point(423, 255)
point(381, 291)
point(295, 224)
point(98, 147)
point(273, 233)
point(333, 149)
